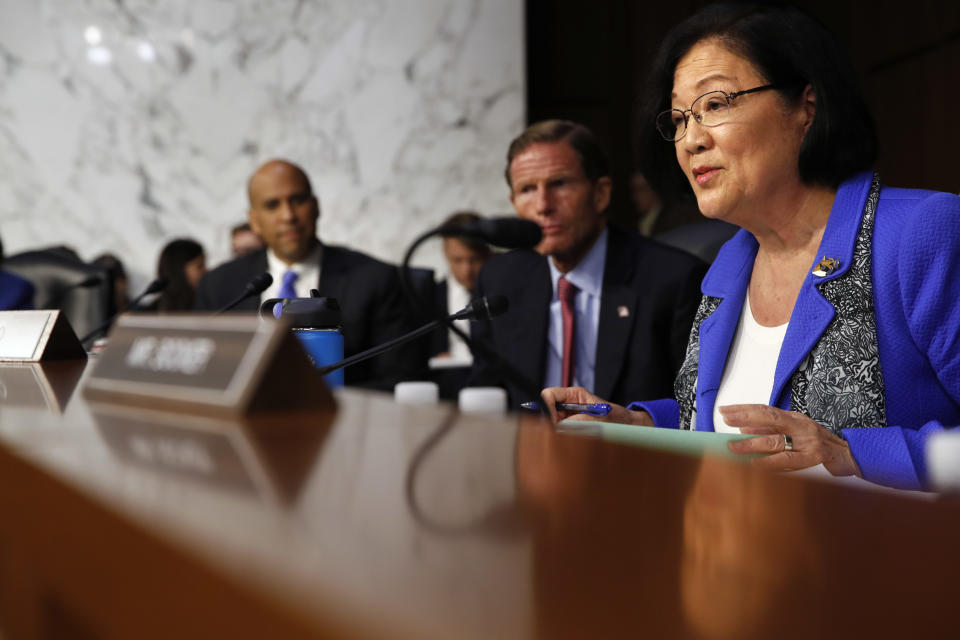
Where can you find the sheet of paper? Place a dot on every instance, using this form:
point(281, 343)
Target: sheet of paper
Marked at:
point(693, 443)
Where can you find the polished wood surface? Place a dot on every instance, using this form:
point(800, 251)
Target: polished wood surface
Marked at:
point(379, 520)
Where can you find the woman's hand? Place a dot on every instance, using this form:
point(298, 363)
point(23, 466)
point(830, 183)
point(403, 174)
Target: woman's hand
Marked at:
point(812, 444)
point(552, 395)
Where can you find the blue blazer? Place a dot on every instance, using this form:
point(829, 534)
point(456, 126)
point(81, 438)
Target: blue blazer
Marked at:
point(916, 288)
point(15, 292)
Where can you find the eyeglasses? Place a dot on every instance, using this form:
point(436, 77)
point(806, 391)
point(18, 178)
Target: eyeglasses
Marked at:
point(710, 109)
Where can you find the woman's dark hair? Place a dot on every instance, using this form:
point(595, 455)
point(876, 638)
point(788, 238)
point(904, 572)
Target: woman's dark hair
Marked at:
point(178, 296)
point(791, 50)
point(112, 264)
point(118, 276)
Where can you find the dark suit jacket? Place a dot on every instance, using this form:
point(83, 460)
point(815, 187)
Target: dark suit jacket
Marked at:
point(676, 213)
point(370, 298)
point(649, 297)
point(15, 292)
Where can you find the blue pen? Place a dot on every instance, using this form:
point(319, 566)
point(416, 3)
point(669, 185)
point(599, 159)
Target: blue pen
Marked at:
point(597, 409)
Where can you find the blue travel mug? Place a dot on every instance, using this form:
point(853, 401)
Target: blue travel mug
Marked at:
point(317, 324)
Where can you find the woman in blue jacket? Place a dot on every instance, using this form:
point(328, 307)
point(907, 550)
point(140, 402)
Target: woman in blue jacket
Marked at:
point(829, 323)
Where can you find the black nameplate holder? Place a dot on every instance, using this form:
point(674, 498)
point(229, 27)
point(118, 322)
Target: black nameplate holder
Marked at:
point(226, 366)
point(32, 336)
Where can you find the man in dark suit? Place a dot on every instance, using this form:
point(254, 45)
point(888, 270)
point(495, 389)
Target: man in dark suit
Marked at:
point(594, 305)
point(284, 212)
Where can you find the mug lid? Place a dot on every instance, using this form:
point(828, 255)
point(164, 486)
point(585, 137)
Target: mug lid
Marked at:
point(307, 313)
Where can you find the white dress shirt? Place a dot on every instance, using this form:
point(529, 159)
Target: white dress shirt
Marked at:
point(587, 276)
point(457, 298)
point(751, 366)
point(308, 274)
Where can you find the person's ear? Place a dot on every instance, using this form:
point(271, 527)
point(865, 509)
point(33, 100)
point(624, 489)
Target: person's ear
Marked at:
point(809, 104)
point(601, 193)
point(252, 218)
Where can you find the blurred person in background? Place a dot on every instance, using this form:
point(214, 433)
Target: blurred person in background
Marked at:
point(655, 214)
point(284, 211)
point(182, 262)
point(118, 274)
point(465, 256)
point(244, 240)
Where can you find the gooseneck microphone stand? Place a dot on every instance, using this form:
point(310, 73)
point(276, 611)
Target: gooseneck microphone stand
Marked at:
point(156, 286)
point(478, 348)
point(380, 348)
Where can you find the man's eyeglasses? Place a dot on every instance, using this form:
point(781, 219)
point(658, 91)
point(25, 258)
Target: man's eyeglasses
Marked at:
point(710, 109)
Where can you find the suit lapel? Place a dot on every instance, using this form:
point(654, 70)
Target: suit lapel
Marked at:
point(530, 312)
point(727, 279)
point(812, 313)
point(811, 317)
point(614, 327)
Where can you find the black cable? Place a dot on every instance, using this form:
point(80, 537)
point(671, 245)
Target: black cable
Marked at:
point(478, 348)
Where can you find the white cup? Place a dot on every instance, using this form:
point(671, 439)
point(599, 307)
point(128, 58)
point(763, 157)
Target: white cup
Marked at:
point(482, 400)
point(416, 393)
point(943, 461)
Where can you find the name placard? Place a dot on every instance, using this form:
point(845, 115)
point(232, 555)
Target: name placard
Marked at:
point(201, 364)
point(32, 336)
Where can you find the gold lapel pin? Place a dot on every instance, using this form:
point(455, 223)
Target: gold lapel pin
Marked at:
point(623, 312)
point(826, 266)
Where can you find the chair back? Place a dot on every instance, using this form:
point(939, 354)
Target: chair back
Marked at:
point(702, 239)
point(57, 279)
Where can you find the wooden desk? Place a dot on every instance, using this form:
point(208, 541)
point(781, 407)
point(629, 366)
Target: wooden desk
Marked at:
point(389, 521)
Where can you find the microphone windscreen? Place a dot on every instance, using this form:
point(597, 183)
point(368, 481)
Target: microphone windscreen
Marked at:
point(260, 283)
point(482, 308)
point(496, 305)
point(510, 232)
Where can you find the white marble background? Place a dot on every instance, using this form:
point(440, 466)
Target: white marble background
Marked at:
point(126, 123)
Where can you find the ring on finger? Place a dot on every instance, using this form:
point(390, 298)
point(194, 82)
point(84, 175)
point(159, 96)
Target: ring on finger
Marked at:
point(787, 442)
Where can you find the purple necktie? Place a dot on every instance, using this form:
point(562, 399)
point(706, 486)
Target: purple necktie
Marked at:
point(286, 290)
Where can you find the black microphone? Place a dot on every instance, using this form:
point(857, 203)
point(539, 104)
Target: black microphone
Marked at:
point(479, 309)
point(499, 230)
point(157, 285)
point(255, 287)
point(482, 308)
point(508, 232)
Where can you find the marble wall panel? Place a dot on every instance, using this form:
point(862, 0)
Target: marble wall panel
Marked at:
point(126, 124)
